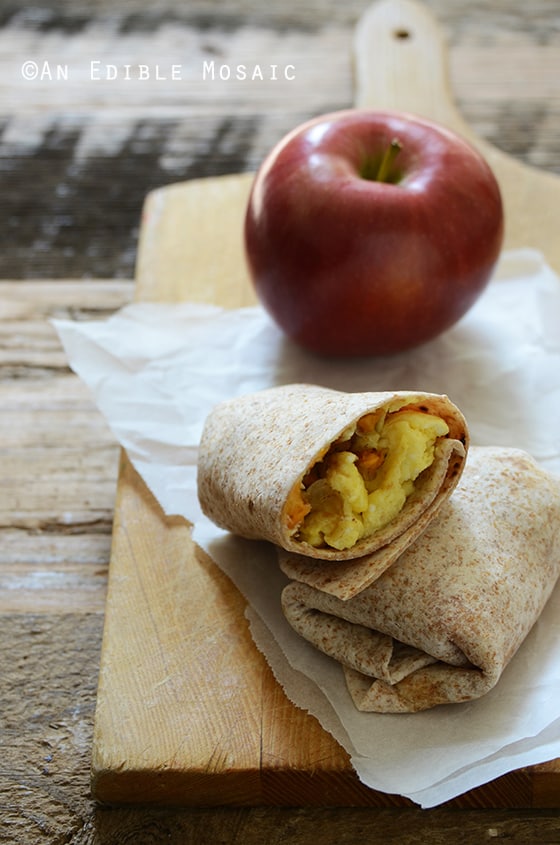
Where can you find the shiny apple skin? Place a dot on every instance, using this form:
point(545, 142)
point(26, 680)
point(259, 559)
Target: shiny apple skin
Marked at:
point(347, 266)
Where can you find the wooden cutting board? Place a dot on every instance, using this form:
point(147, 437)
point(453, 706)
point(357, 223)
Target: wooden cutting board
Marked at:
point(188, 712)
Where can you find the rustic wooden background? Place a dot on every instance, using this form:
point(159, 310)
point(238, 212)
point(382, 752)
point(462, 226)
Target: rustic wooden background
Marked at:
point(77, 156)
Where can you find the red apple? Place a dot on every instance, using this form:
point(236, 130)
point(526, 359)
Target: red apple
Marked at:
point(371, 232)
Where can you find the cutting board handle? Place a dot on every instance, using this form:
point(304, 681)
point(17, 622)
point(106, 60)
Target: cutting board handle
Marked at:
point(400, 62)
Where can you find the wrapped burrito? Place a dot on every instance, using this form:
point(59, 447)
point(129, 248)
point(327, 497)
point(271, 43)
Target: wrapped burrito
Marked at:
point(443, 622)
point(330, 475)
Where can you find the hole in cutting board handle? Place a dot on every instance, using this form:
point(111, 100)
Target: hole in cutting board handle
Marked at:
point(402, 34)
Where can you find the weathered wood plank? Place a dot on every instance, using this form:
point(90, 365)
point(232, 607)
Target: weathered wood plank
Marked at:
point(58, 458)
point(335, 826)
point(78, 155)
point(67, 298)
point(49, 670)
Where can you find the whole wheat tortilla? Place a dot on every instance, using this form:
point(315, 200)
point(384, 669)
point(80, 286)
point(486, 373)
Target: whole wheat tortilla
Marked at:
point(443, 622)
point(255, 449)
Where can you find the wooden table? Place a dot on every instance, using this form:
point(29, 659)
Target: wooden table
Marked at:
point(78, 156)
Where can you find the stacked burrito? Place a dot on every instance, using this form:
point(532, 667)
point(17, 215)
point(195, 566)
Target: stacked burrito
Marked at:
point(418, 562)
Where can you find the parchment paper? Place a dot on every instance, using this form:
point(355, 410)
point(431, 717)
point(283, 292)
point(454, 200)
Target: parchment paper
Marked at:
point(156, 370)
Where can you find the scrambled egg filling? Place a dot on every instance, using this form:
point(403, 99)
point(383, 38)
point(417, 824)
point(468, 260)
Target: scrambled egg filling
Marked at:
point(365, 478)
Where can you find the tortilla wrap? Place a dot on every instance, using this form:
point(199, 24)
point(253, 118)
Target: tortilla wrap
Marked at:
point(443, 622)
point(257, 451)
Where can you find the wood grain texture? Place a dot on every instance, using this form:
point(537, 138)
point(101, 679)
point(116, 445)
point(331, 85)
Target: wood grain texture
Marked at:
point(58, 459)
point(78, 156)
point(46, 720)
point(331, 826)
point(188, 712)
point(204, 746)
point(75, 167)
point(179, 233)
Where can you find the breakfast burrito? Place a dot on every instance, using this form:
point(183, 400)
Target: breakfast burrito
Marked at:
point(327, 474)
point(441, 624)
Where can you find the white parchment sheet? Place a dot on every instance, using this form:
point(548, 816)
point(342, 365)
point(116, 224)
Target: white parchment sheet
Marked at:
point(155, 371)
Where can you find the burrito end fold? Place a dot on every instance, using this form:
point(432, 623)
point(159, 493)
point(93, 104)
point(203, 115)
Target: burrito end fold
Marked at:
point(443, 622)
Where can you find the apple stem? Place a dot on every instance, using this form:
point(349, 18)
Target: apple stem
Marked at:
point(388, 158)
